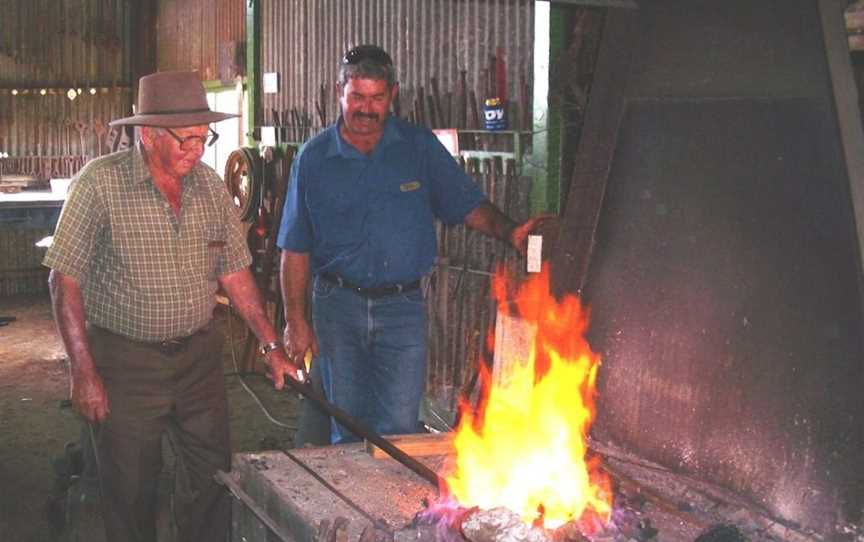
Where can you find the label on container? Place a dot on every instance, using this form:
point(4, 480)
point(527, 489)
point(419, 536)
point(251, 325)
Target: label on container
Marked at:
point(494, 115)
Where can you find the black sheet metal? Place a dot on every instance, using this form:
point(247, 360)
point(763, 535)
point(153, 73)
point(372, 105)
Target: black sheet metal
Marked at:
point(725, 277)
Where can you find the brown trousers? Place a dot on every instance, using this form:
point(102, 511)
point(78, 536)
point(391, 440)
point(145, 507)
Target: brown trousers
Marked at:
point(152, 392)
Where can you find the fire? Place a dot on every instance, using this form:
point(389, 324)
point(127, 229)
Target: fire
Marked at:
point(525, 447)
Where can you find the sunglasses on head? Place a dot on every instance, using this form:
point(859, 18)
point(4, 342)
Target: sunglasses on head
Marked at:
point(367, 52)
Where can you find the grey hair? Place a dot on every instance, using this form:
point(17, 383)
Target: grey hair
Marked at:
point(367, 69)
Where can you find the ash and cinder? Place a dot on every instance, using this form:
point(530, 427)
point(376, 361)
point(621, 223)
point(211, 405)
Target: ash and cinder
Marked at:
point(636, 517)
point(449, 522)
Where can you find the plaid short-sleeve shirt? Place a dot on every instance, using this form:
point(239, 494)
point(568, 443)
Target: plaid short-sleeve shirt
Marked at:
point(144, 272)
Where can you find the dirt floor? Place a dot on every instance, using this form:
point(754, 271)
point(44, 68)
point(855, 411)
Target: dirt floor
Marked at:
point(35, 427)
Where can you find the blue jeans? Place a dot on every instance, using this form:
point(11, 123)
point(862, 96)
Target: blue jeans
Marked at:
point(372, 356)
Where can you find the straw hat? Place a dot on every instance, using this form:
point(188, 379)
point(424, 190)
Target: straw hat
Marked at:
point(172, 99)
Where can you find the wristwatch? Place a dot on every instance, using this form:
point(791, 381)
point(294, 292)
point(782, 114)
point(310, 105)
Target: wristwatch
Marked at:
point(269, 347)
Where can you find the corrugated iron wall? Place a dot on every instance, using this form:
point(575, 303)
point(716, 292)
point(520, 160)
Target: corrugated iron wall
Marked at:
point(61, 42)
point(82, 46)
point(51, 135)
point(449, 56)
point(191, 33)
point(444, 51)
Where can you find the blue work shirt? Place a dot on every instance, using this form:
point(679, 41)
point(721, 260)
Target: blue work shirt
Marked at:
point(370, 219)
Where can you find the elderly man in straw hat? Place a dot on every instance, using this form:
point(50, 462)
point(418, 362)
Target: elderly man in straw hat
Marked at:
point(145, 238)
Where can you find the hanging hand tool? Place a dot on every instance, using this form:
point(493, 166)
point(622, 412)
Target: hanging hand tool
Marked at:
point(277, 126)
point(113, 138)
point(81, 128)
point(99, 130)
point(125, 138)
point(286, 123)
point(321, 104)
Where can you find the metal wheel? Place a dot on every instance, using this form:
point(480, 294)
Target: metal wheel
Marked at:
point(243, 179)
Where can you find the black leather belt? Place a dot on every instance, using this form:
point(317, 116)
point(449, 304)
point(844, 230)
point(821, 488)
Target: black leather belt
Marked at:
point(376, 291)
point(168, 347)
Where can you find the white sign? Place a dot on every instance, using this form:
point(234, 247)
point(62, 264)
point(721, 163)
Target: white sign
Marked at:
point(535, 251)
point(271, 83)
point(268, 136)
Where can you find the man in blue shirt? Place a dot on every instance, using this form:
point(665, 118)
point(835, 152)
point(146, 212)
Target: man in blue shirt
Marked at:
point(359, 221)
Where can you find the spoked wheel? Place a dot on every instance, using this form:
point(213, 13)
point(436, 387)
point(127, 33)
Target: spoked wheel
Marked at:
point(258, 188)
point(243, 179)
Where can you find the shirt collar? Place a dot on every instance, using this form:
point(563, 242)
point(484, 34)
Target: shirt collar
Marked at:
point(140, 171)
point(339, 147)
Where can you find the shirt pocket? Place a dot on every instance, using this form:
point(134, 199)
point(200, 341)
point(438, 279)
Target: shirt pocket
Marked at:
point(203, 250)
point(404, 206)
point(215, 254)
point(144, 254)
point(339, 219)
point(215, 243)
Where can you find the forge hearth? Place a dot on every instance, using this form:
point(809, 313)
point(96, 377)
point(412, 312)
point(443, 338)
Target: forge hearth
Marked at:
point(344, 494)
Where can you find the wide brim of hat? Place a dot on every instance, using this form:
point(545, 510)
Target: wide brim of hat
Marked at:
point(173, 120)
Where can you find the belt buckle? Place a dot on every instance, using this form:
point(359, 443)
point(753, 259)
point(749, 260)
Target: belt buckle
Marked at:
point(171, 347)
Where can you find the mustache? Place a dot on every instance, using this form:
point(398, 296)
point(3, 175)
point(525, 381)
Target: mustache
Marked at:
point(370, 116)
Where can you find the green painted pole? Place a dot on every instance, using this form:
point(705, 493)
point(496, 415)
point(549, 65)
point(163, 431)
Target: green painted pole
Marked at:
point(544, 164)
point(253, 68)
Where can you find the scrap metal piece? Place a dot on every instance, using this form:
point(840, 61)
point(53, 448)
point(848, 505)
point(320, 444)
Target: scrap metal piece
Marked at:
point(500, 525)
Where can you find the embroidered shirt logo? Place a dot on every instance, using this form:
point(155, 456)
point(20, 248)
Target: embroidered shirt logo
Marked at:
point(410, 186)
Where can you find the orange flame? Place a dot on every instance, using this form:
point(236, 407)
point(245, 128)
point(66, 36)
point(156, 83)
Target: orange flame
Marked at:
point(525, 447)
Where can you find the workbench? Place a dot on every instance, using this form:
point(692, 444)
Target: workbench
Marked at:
point(303, 501)
point(303, 496)
point(26, 217)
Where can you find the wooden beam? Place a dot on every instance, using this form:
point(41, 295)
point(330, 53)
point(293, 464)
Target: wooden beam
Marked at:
point(417, 445)
point(591, 169)
point(845, 93)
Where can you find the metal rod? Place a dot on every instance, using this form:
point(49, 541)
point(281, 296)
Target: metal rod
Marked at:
point(226, 480)
point(358, 429)
point(377, 523)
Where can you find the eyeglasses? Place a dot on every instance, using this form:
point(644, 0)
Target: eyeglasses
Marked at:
point(188, 143)
point(367, 52)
